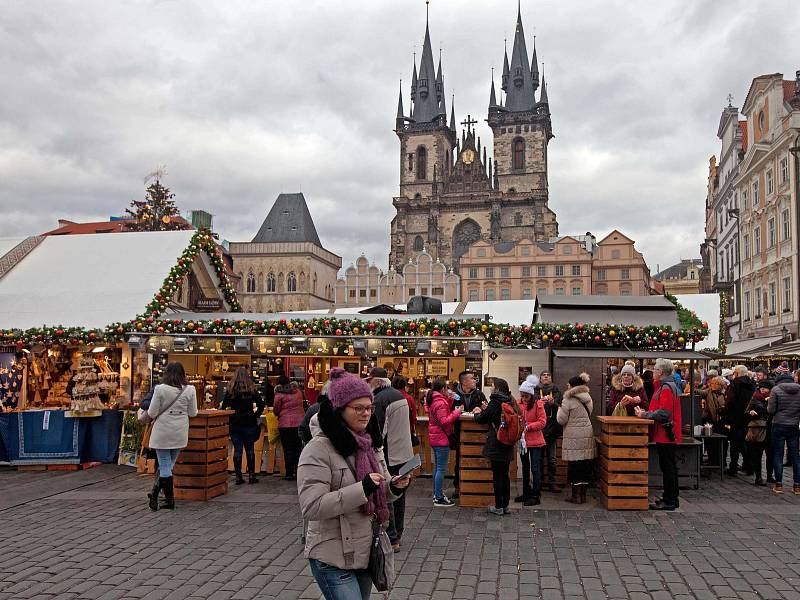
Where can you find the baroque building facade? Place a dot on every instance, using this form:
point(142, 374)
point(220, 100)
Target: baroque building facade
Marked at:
point(564, 266)
point(364, 284)
point(285, 268)
point(451, 195)
point(767, 189)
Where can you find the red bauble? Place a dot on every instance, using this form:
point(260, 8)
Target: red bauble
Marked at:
point(371, 326)
point(579, 326)
point(506, 340)
point(327, 322)
point(92, 335)
point(452, 324)
point(664, 334)
point(308, 330)
point(217, 321)
point(388, 332)
point(160, 329)
point(556, 338)
point(598, 339)
point(199, 330)
point(705, 324)
point(59, 332)
point(228, 330)
point(120, 329)
point(412, 326)
point(631, 330)
point(272, 331)
point(150, 319)
point(435, 333)
point(259, 323)
point(338, 332)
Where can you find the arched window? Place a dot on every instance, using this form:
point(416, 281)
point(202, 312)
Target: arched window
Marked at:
point(418, 244)
point(422, 162)
point(291, 283)
point(251, 282)
point(517, 218)
point(519, 154)
point(270, 283)
point(314, 284)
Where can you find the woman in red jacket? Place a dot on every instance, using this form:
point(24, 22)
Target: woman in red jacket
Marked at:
point(441, 424)
point(534, 418)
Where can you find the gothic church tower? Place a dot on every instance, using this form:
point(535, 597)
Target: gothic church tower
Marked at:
point(451, 196)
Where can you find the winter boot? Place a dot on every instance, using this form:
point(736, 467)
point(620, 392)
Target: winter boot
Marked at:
point(251, 477)
point(582, 489)
point(575, 498)
point(153, 494)
point(169, 493)
point(239, 478)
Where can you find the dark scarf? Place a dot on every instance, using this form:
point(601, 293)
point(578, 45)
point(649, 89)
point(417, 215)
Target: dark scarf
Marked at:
point(363, 446)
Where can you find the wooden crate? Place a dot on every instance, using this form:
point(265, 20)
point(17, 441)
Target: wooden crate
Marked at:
point(623, 463)
point(201, 473)
point(561, 467)
point(475, 487)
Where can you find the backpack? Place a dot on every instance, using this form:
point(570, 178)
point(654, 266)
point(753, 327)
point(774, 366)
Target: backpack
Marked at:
point(510, 430)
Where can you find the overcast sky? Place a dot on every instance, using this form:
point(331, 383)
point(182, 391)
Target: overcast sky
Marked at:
point(244, 100)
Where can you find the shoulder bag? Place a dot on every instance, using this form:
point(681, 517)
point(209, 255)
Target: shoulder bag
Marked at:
point(381, 555)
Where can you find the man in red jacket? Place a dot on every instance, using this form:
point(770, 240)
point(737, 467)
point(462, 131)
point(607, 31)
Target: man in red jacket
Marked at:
point(665, 411)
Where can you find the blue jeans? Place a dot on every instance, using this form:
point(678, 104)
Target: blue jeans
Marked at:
point(166, 460)
point(789, 435)
point(535, 458)
point(243, 439)
point(441, 454)
point(338, 584)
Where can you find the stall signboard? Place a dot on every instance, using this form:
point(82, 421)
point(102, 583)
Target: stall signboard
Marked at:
point(208, 304)
point(437, 368)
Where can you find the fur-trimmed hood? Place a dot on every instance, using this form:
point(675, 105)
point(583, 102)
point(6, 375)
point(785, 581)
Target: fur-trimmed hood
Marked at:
point(289, 388)
point(616, 383)
point(580, 393)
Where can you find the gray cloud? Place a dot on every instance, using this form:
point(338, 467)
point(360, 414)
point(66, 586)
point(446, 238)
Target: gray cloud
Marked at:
point(245, 100)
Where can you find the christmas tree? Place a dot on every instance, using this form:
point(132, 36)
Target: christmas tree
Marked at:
point(157, 212)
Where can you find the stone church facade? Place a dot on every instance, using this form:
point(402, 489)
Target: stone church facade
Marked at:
point(451, 195)
point(285, 268)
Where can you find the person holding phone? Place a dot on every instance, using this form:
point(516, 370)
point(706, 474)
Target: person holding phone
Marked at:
point(343, 483)
point(441, 426)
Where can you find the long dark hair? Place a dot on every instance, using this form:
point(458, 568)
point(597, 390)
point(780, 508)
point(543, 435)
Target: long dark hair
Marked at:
point(437, 386)
point(531, 401)
point(242, 384)
point(174, 375)
point(399, 382)
point(501, 386)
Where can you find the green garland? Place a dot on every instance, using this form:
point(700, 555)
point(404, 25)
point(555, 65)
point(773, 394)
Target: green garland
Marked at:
point(496, 334)
point(202, 240)
point(723, 326)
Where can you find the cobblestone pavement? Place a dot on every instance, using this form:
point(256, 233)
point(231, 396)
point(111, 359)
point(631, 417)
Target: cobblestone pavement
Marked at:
point(90, 535)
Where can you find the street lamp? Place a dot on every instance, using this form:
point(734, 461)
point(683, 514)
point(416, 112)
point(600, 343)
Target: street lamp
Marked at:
point(795, 150)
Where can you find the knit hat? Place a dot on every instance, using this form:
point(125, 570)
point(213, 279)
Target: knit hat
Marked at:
point(628, 370)
point(529, 385)
point(346, 387)
point(783, 368)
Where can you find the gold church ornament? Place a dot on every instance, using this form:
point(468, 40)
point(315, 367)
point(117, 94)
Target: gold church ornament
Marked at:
point(467, 156)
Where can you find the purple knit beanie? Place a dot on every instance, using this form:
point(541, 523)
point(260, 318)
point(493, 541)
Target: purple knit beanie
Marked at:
point(346, 387)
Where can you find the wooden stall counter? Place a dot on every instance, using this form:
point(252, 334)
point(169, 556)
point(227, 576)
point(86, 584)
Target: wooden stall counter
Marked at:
point(623, 463)
point(475, 472)
point(201, 471)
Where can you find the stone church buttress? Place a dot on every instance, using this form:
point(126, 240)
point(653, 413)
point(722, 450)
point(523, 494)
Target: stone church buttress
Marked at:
point(451, 195)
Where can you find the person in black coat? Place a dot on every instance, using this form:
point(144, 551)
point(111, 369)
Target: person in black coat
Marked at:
point(241, 397)
point(499, 454)
point(551, 395)
point(737, 398)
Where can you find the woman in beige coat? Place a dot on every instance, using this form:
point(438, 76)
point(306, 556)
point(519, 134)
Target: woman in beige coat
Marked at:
point(172, 404)
point(578, 445)
point(342, 481)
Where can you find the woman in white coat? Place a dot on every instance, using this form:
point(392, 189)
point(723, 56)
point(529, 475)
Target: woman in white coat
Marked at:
point(173, 403)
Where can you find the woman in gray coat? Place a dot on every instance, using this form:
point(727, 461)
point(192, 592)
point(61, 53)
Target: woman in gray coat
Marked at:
point(578, 445)
point(172, 405)
point(343, 483)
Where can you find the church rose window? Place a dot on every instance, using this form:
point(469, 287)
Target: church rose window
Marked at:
point(465, 234)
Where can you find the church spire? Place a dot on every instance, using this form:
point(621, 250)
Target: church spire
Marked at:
point(504, 80)
point(543, 97)
point(440, 94)
point(414, 82)
point(520, 91)
point(492, 95)
point(426, 105)
point(400, 116)
point(535, 67)
point(453, 114)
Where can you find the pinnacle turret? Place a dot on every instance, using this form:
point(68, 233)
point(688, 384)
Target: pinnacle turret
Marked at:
point(453, 114)
point(492, 95)
point(535, 67)
point(426, 102)
point(520, 94)
point(543, 97)
point(400, 116)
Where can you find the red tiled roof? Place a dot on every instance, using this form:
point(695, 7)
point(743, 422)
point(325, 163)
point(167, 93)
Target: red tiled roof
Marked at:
point(743, 127)
point(788, 90)
point(70, 228)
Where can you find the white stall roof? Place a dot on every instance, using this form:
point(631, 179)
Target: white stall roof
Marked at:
point(88, 280)
point(706, 307)
point(513, 312)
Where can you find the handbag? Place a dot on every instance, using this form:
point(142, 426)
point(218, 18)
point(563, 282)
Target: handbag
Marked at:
point(452, 438)
point(756, 431)
point(381, 555)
